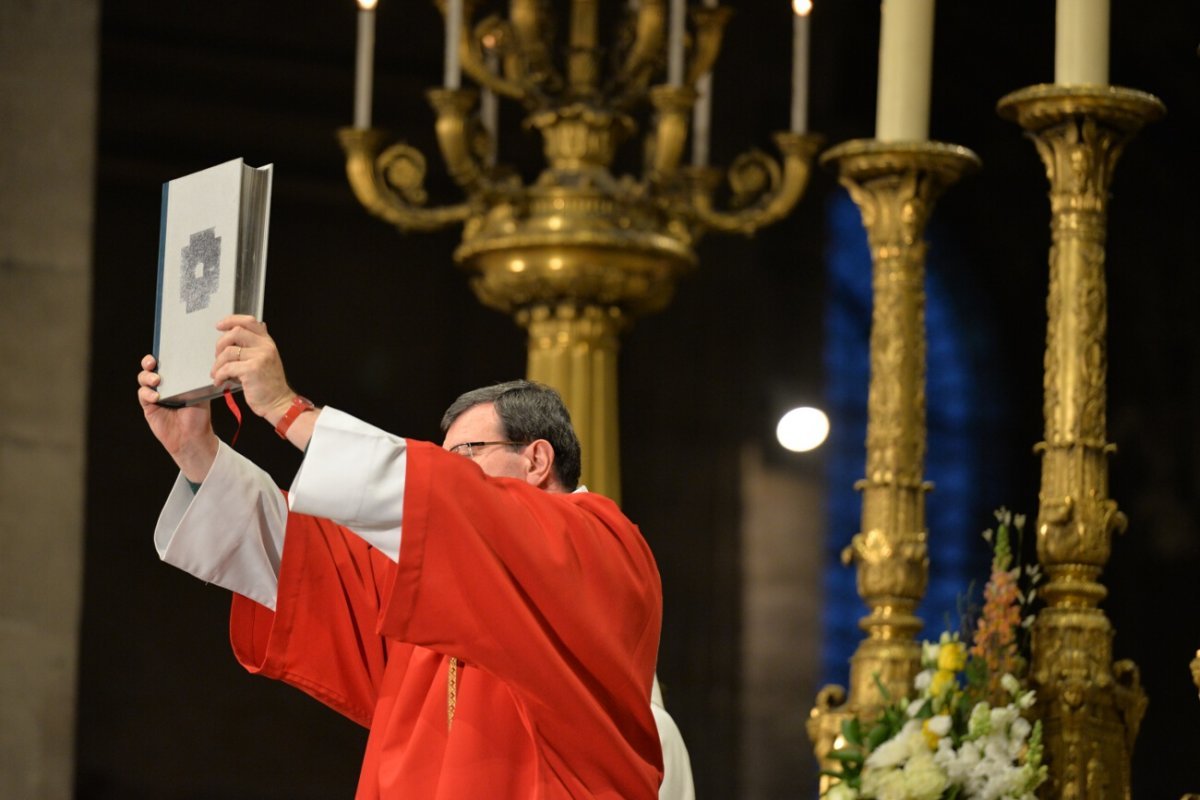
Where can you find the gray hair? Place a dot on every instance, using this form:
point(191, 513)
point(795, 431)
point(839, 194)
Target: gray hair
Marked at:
point(528, 411)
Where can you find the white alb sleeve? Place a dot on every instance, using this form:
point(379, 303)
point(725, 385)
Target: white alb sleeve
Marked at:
point(353, 473)
point(230, 532)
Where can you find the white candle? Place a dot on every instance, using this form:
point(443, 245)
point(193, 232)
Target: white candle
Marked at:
point(702, 113)
point(364, 59)
point(1081, 42)
point(801, 9)
point(489, 108)
point(452, 78)
point(701, 118)
point(675, 42)
point(905, 67)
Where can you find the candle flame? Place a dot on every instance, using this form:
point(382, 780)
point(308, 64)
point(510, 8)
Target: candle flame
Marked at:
point(802, 7)
point(367, 5)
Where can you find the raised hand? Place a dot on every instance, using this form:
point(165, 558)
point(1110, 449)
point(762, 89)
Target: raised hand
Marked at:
point(246, 353)
point(185, 433)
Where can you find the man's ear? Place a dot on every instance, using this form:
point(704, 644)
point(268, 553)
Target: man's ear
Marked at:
point(541, 465)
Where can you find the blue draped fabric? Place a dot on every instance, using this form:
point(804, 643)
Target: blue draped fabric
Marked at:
point(959, 416)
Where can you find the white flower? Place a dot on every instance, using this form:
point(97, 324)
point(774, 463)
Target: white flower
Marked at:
point(841, 791)
point(923, 679)
point(980, 722)
point(923, 779)
point(1002, 717)
point(1010, 684)
point(929, 653)
point(895, 751)
point(891, 753)
point(1020, 730)
point(939, 725)
point(957, 763)
point(883, 784)
point(1025, 701)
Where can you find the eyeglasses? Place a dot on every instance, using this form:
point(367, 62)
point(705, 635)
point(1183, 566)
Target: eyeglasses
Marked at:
point(469, 449)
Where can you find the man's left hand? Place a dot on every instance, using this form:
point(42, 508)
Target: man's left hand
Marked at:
point(246, 353)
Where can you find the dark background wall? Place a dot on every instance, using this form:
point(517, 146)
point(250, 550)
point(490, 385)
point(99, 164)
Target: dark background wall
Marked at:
point(383, 325)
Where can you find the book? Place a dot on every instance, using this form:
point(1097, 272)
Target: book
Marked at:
point(212, 262)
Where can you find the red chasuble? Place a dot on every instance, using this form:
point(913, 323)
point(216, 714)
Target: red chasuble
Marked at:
point(551, 602)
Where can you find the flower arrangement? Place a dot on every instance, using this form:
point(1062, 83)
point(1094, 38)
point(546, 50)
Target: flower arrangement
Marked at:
point(963, 736)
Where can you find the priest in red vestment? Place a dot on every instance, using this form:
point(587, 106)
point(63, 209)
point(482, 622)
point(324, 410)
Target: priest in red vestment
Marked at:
point(494, 626)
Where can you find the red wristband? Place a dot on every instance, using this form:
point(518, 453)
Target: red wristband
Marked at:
point(299, 406)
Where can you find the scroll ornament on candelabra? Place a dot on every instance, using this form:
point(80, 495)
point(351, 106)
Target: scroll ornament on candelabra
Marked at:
point(1091, 707)
point(579, 252)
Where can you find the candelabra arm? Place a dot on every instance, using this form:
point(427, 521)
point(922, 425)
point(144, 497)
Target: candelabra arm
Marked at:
point(390, 185)
point(513, 82)
point(710, 30)
point(649, 34)
point(454, 135)
point(529, 28)
point(674, 107)
point(757, 175)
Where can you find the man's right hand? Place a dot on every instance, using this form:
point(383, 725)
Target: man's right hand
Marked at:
point(186, 433)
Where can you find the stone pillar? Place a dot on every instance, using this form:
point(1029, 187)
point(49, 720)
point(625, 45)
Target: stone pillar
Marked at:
point(48, 96)
point(782, 532)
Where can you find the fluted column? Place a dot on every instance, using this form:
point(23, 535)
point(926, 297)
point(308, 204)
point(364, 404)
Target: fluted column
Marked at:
point(575, 350)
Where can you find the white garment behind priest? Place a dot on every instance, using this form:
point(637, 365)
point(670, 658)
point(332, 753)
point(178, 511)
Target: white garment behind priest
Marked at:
point(677, 766)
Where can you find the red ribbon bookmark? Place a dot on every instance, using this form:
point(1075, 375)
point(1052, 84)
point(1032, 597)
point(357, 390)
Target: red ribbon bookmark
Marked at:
point(236, 410)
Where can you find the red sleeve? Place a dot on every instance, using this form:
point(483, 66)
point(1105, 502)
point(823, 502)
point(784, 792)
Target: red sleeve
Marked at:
point(323, 637)
point(557, 594)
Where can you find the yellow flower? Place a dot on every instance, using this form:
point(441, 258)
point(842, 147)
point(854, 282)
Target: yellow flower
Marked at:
point(934, 728)
point(943, 681)
point(952, 656)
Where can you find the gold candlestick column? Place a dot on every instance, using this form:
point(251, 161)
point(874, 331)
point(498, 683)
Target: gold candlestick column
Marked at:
point(895, 186)
point(575, 351)
point(1091, 708)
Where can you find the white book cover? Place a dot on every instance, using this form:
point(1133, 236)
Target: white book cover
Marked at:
point(212, 259)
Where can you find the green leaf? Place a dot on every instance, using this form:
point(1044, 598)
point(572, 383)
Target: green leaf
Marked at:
point(926, 710)
point(852, 730)
point(878, 735)
point(883, 690)
point(846, 754)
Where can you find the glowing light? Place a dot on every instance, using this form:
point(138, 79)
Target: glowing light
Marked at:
point(802, 7)
point(367, 5)
point(802, 429)
point(517, 265)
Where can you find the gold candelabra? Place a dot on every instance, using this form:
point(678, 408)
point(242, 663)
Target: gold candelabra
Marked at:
point(578, 253)
point(1091, 707)
point(895, 186)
